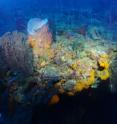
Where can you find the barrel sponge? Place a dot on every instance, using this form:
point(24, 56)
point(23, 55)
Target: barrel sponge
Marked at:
point(39, 35)
point(35, 24)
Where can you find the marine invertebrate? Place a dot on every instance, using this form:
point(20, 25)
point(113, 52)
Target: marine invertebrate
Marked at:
point(54, 99)
point(40, 40)
point(91, 78)
point(86, 82)
point(15, 52)
point(32, 42)
point(104, 74)
point(103, 61)
point(39, 33)
point(35, 24)
point(79, 86)
point(59, 68)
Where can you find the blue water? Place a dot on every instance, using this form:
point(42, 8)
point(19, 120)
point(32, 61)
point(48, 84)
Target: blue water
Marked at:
point(64, 15)
point(14, 14)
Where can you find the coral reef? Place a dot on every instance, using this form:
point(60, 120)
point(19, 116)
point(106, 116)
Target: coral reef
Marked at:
point(67, 66)
point(35, 69)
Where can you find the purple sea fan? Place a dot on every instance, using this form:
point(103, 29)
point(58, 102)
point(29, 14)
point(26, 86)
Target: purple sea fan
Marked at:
point(16, 52)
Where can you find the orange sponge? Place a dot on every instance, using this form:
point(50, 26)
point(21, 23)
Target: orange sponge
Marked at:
point(54, 99)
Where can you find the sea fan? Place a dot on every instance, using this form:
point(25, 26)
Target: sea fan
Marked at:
point(15, 53)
